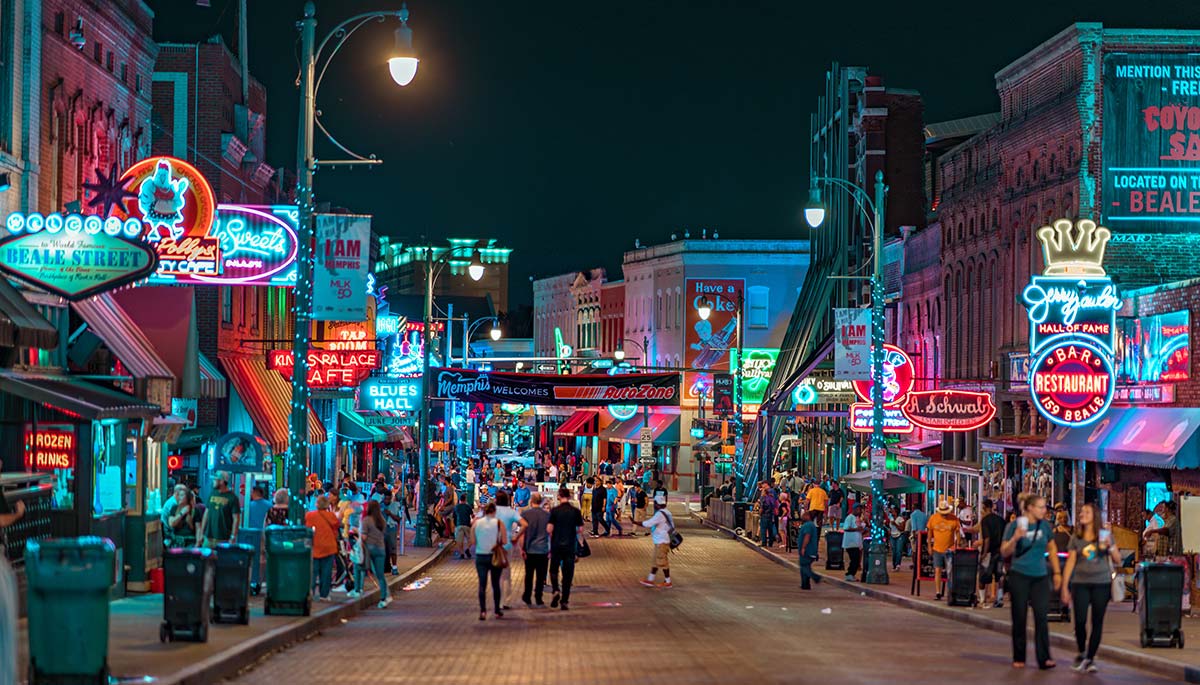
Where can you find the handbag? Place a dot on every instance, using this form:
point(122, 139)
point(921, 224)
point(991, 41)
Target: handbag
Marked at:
point(499, 556)
point(583, 550)
point(675, 538)
point(1118, 583)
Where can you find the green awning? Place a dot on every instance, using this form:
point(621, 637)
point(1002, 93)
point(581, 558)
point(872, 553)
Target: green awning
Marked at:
point(352, 427)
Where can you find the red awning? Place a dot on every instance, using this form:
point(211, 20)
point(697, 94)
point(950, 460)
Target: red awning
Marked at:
point(585, 422)
point(268, 400)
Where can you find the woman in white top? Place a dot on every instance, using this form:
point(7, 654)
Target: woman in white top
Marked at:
point(488, 533)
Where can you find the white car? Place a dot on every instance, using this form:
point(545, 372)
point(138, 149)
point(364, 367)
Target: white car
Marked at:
point(507, 455)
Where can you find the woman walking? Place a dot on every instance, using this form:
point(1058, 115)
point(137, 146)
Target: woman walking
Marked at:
point(325, 528)
point(1027, 541)
point(488, 534)
point(1087, 581)
point(277, 514)
point(374, 551)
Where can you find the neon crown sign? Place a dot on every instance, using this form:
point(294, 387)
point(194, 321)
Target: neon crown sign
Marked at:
point(1076, 250)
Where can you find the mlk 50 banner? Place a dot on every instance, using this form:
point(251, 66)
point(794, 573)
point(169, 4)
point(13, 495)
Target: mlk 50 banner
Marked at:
point(641, 389)
point(340, 270)
point(852, 344)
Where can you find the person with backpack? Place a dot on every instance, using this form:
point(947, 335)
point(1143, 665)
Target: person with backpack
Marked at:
point(662, 528)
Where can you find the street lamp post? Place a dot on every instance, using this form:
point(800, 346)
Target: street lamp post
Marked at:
point(814, 214)
point(422, 537)
point(405, 62)
point(645, 348)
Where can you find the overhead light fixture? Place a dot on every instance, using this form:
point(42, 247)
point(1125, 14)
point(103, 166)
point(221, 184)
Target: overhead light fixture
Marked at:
point(475, 271)
point(704, 309)
point(403, 63)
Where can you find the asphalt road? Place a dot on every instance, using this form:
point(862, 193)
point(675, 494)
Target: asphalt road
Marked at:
point(732, 617)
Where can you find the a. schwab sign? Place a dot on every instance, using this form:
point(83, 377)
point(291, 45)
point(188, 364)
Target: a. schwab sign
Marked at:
point(642, 389)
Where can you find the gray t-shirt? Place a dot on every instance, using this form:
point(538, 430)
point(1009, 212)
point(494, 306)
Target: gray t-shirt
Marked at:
point(537, 540)
point(372, 535)
point(1091, 563)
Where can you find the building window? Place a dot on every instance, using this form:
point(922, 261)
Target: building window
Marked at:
point(227, 305)
point(108, 62)
point(8, 64)
point(97, 52)
point(757, 298)
point(253, 308)
point(137, 83)
point(124, 72)
point(59, 22)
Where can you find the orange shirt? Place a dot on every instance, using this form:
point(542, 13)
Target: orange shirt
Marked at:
point(942, 528)
point(325, 526)
point(817, 498)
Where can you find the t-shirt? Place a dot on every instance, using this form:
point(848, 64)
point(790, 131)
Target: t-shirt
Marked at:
point(917, 520)
point(1029, 558)
point(509, 517)
point(222, 507)
point(660, 525)
point(1091, 563)
point(325, 526)
point(941, 529)
point(521, 497)
point(835, 497)
point(566, 519)
point(598, 498)
point(256, 513)
point(992, 528)
point(817, 498)
point(537, 540)
point(487, 532)
point(814, 536)
point(851, 539)
point(462, 514)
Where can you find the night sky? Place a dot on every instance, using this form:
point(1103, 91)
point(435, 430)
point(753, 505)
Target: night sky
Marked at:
point(566, 128)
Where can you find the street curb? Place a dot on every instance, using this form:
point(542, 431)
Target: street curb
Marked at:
point(234, 660)
point(1159, 665)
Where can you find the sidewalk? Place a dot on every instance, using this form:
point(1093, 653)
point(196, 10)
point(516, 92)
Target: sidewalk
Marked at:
point(135, 653)
point(1121, 636)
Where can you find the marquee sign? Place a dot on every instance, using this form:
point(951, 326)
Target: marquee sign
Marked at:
point(583, 390)
point(390, 394)
point(949, 410)
point(862, 415)
point(329, 368)
point(1072, 325)
point(73, 256)
point(51, 446)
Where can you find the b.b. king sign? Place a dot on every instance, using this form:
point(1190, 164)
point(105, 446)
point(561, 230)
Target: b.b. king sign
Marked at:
point(1072, 325)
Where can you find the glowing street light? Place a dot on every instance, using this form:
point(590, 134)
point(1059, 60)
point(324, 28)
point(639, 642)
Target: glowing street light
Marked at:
point(403, 63)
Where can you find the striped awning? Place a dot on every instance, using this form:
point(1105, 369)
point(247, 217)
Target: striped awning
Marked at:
point(268, 399)
point(109, 322)
point(73, 396)
point(212, 381)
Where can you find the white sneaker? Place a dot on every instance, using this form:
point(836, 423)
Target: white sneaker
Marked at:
point(383, 604)
point(387, 601)
point(354, 594)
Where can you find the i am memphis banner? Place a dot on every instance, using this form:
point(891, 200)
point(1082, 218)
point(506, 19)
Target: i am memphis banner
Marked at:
point(641, 389)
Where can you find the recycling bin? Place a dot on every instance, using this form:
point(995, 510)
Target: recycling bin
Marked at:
point(188, 578)
point(1160, 604)
point(254, 538)
point(67, 584)
point(834, 558)
point(231, 588)
point(289, 570)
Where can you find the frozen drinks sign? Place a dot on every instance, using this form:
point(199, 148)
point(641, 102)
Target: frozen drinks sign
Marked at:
point(1151, 141)
point(73, 256)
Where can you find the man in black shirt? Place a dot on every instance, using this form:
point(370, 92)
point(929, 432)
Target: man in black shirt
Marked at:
point(991, 532)
point(599, 498)
point(565, 527)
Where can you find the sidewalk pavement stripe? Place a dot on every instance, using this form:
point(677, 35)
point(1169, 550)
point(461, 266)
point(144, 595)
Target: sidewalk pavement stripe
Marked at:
point(1166, 667)
point(232, 661)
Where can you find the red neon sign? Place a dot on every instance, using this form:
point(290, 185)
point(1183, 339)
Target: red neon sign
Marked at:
point(329, 368)
point(952, 411)
point(897, 377)
point(1072, 383)
point(174, 462)
point(51, 447)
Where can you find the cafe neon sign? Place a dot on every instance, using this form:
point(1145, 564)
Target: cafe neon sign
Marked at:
point(1072, 325)
point(329, 368)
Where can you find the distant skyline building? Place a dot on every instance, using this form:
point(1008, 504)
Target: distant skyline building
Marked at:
point(401, 268)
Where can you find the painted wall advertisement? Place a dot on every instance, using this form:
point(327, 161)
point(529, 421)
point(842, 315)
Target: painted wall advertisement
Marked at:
point(707, 342)
point(340, 273)
point(1151, 141)
point(852, 344)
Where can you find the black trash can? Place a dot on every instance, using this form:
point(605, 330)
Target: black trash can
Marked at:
point(231, 591)
point(834, 558)
point(739, 514)
point(964, 568)
point(1160, 604)
point(187, 594)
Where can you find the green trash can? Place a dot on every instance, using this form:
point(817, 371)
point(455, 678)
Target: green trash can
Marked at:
point(68, 581)
point(289, 571)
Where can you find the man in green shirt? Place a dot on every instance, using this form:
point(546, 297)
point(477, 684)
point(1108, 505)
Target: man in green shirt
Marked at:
point(222, 515)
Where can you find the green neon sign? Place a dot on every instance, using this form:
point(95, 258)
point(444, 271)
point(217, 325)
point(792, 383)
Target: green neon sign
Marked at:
point(758, 363)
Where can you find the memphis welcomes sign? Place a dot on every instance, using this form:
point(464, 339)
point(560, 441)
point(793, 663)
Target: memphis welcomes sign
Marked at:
point(587, 390)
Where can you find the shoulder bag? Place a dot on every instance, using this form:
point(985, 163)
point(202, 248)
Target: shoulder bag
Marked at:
point(499, 556)
point(676, 539)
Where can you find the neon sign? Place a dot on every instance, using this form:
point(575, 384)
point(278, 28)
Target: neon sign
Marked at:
point(51, 446)
point(758, 363)
point(622, 412)
point(404, 355)
point(897, 377)
point(862, 419)
point(1072, 324)
point(390, 394)
point(328, 368)
point(1154, 349)
point(949, 410)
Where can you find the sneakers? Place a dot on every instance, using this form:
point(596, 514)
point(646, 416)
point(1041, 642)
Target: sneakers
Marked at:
point(643, 581)
point(1083, 664)
point(382, 605)
point(354, 594)
point(554, 601)
point(1077, 664)
point(1091, 666)
point(387, 601)
point(999, 604)
point(563, 606)
point(850, 579)
point(667, 585)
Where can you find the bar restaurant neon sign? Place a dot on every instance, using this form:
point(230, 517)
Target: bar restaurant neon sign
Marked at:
point(1072, 317)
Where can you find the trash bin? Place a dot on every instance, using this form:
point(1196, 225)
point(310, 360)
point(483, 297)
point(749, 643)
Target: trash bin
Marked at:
point(964, 568)
point(68, 580)
point(289, 570)
point(1160, 604)
point(254, 538)
point(706, 493)
point(231, 588)
point(834, 559)
point(188, 577)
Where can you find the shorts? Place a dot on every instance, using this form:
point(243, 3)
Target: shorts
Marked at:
point(462, 534)
point(834, 512)
point(941, 559)
point(661, 553)
point(989, 571)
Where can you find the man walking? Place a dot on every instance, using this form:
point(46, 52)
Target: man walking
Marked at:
point(222, 513)
point(817, 500)
point(852, 541)
point(565, 527)
point(534, 542)
point(660, 524)
point(944, 531)
point(612, 516)
point(810, 536)
point(599, 501)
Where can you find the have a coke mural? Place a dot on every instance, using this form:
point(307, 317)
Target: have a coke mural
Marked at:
point(707, 342)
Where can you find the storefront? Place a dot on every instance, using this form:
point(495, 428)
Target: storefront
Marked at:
point(579, 434)
point(626, 436)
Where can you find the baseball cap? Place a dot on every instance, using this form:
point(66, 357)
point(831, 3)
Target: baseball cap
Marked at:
point(660, 499)
point(223, 475)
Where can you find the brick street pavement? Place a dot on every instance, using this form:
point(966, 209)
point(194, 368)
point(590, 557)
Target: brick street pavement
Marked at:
point(733, 617)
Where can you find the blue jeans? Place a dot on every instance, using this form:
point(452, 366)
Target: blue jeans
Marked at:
point(806, 572)
point(322, 568)
point(767, 532)
point(610, 519)
point(377, 559)
point(898, 545)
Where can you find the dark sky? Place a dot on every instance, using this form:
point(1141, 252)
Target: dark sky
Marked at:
point(567, 128)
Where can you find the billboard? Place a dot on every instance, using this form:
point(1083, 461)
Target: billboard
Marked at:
point(584, 390)
point(1151, 144)
point(73, 256)
point(707, 342)
point(852, 344)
